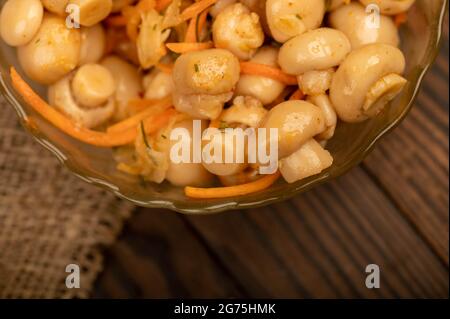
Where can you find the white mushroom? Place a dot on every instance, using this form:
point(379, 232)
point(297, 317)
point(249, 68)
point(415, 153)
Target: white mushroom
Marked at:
point(92, 11)
point(366, 81)
point(297, 122)
point(390, 7)
point(225, 151)
point(204, 82)
point(158, 85)
point(288, 18)
point(259, 7)
point(334, 4)
point(128, 84)
point(315, 82)
point(238, 30)
point(264, 89)
point(20, 21)
point(357, 26)
point(219, 6)
point(52, 53)
point(309, 160)
point(61, 97)
point(189, 173)
point(319, 49)
point(246, 111)
point(324, 103)
point(201, 106)
point(56, 6)
point(93, 43)
point(93, 85)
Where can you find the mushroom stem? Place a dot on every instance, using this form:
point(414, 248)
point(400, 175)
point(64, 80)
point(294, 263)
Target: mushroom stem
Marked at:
point(382, 92)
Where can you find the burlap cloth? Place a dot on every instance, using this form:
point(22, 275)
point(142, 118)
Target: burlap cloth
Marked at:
point(48, 219)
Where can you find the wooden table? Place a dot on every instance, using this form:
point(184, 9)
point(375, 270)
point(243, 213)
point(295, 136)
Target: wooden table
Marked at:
point(391, 211)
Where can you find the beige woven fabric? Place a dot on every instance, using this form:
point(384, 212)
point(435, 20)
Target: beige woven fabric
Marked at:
point(48, 219)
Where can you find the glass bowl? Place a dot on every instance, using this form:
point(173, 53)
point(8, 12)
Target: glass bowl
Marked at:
point(352, 142)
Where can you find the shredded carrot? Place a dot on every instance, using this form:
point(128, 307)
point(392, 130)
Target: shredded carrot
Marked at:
point(138, 105)
point(146, 5)
point(183, 47)
point(191, 36)
point(251, 68)
point(69, 127)
point(153, 107)
point(201, 23)
point(196, 8)
point(116, 21)
point(232, 191)
point(153, 124)
point(133, 26)
point(133, 16)
point(162, 4)
point(298, 95)
point(400, 19)
point(166, 68)
point(196, 25)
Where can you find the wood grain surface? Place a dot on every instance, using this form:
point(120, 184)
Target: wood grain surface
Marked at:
point(392, 210)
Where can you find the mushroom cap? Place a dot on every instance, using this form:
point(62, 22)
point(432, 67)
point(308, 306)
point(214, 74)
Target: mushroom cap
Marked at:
point(390, 7)
point(92, 11)
point(20, 21)
point(60, 96)
point(264, 89)
point(358, 73)
point(188, 174)
point(214, 71)
point(287, 18)
point(296, 122)
point(310, 159)
point(352, 19)
point(52, 53)
point(128, 83)
point(318, 49)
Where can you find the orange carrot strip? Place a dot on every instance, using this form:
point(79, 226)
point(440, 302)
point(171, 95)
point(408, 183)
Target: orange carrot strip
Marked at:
point(133, 16)
point(196, 8)
point(162, 4)
point(400, 19)
point(133, 26)
point(191, 33)
point(183, 47)
point(155, 123)
point(232, 191)
point(195, 26)
point(201, 22)
point(134, 120)
point(146, 5)
point(66, 125)
point(298, 95)
point(251, 68)
point(139, 105)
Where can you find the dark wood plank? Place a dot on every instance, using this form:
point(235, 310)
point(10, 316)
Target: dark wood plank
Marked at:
point(391, 211)
point(318, 245)
point(159, 257)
